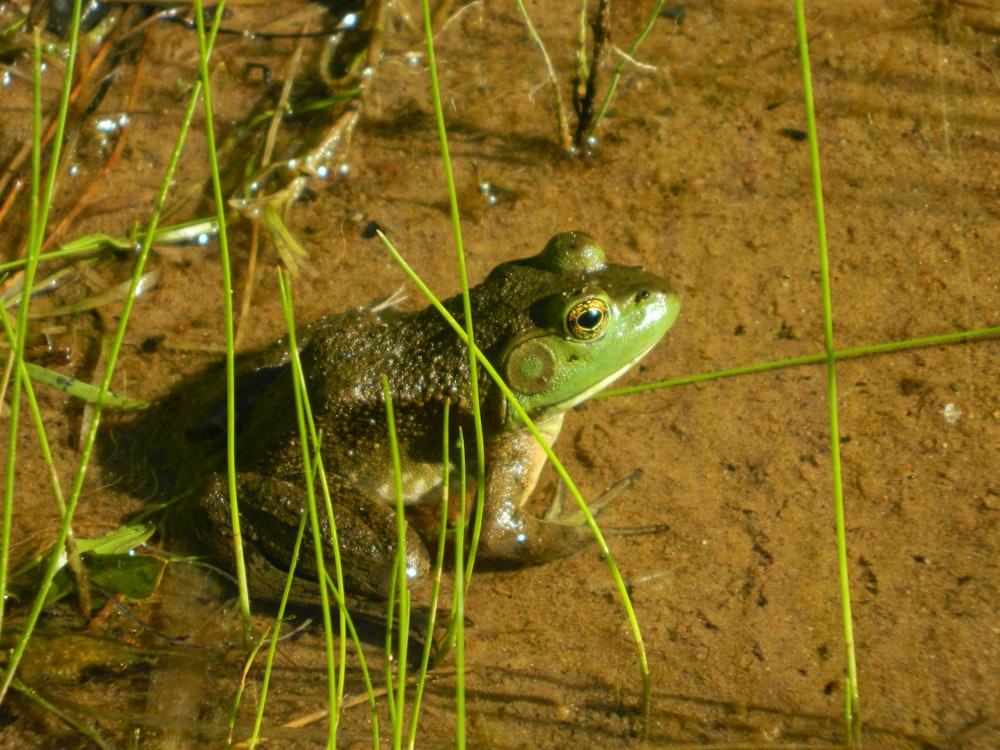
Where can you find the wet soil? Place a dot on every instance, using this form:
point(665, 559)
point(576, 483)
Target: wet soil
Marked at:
point(701, 175)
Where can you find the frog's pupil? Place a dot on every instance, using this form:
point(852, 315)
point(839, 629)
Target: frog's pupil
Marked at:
point(590, 319)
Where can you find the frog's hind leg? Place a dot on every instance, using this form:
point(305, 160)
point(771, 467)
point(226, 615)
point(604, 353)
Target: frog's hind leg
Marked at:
point(271, 510)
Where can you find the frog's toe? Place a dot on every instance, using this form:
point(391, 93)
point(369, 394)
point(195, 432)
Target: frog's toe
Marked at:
point(556, 514)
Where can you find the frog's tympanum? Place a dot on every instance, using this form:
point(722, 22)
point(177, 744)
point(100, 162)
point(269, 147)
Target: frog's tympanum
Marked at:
point(559, 327)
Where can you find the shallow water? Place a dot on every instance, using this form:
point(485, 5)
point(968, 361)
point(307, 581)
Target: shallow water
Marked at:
point(698, 175)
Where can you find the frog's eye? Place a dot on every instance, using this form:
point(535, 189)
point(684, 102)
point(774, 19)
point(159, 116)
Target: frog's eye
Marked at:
point(588, 318)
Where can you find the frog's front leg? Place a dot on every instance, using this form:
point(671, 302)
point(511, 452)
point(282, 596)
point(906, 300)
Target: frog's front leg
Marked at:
point(509, 534)
point(270, 513)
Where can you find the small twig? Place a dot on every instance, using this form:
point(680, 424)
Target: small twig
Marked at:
point(564, 137)
point(584, 104)
point(628, 58)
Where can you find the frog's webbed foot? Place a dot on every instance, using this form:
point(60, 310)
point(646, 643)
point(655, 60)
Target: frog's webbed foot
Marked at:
point(556, 513)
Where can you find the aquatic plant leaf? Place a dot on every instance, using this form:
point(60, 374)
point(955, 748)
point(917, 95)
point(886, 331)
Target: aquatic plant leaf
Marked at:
point(133, 576)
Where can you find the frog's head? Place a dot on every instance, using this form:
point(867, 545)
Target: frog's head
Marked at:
point(587, 323)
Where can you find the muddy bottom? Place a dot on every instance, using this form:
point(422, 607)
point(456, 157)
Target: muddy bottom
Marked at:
point(701, 174)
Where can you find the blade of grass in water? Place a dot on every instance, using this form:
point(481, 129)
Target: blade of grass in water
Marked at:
point(195, 231)
point(944, 338)
point(36, 231)
point(311, 437)
point(562, 124)
point(458, 602)
point(78, 388)
point(464, 278)
point(251, 657)
point(475, 356)
point(32, 696)
point(397, 703)
point(852, 699)
point(205, 44)
point(307, 437)
point(425, 658)
point(105, 384)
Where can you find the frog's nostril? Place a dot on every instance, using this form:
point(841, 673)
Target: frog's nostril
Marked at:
point(641, 295)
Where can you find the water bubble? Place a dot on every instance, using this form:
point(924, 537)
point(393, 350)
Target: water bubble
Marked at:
point(112, 125)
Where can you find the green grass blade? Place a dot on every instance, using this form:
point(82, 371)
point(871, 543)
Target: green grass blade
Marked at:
point(853, 707)
point(307, 436)
point(205, 44)
point(861, 351)
point(337, 666)
point(17, 341)
point(458, 604)
point(400, 577)
point(90, 437)
point(272, 650)
point(466, 302)
point(262, 700)
point(78, 388)
point(562, 122)
point(425, 658)
point(33, 696)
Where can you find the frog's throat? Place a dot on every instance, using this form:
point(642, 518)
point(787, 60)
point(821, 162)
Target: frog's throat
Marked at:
point(602, 384)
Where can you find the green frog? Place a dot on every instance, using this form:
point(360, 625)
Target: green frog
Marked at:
point(559, 327)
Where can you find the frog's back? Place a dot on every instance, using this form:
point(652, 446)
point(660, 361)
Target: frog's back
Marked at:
point(345, 358)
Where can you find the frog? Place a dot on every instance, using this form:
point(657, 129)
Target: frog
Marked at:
point(558, 326)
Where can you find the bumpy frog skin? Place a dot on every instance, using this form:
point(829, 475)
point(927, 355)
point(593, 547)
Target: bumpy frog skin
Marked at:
point(559, 327)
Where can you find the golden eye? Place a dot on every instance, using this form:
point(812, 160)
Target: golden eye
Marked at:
point(588, 319)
